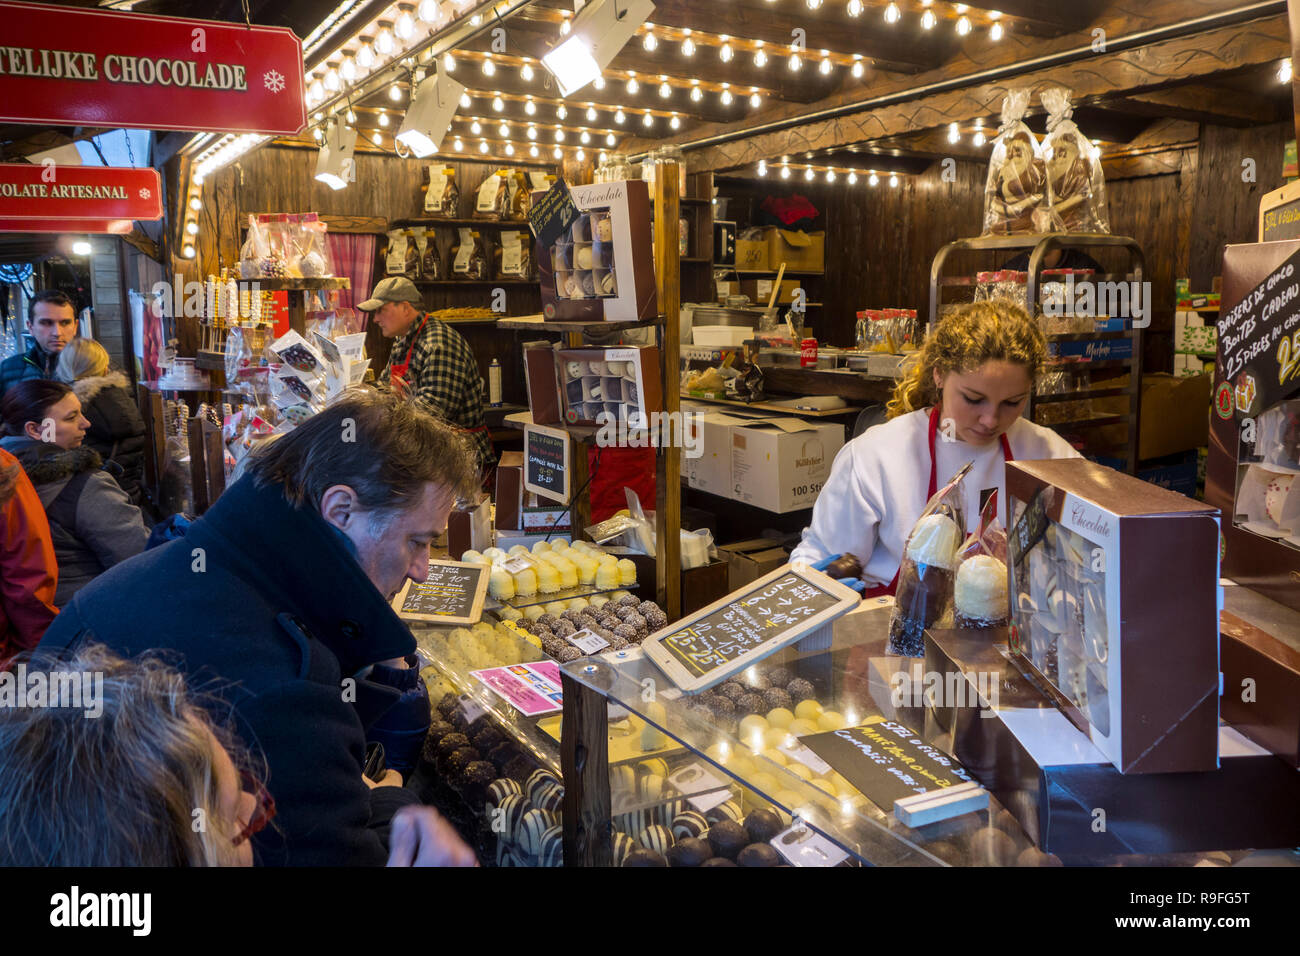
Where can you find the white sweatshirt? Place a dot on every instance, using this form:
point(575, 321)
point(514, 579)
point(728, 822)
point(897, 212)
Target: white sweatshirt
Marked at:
point(877, 487)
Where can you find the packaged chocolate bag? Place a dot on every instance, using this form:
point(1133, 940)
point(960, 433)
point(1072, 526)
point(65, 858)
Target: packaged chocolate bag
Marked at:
point(1016, 182)
point(923, 597)
point(442, 195)
point(980, 587)
point(1076, 188)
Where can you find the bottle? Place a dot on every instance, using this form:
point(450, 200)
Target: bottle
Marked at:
point(494, 382)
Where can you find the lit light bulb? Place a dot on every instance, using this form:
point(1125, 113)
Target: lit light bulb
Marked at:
point(995, 32)
point(760, 58)
point(688, 47)
point(449, 64)
point(893, 180)
point(498, 104)
point(696, 94)
point(559, 136)
point(483, 146)
point(599, 83)
point(510, 149)
point(857, 70)
point(785, 172)
point(726, 97)
point(960, 7)
point(954, 135)
point(604, 157)
point(475, 127)
point(963, 26)
point(808, 174)
point(365, 57)
point(762, 167)
point(853, 178)
point(665, 91)
point(318, 134)
point(188, 251)
point(585, 138)
point(465, 100)
point(459, 146)
point(824, 67)
point(504, 130)
point(533, 151)
point(318, 90)
point(620, 117)
point(891, 13)
point(814, 4)
point(384, 42)
point(332, 79)
point(649, 41)
point(530, 107)
point(795, 63)
point(580, 155)
point(755, 100)
point(428, 11)
point(376, 138)
point(196, 204)
point(565, 26)
point(855, 8)
point(405, 26)
point(978, 138)
point(591, 114)
point(532, 132)
point(674, 122)
point(526, 72)
point(725, 53)
point(557, 152)
point(830, 175)
point(1284, 71)
point(192, 228)
point(610, 140)
point(561, 112)
point(395, 93)
point(647, 120)
point(928, 20)
point(489, 68)
point(632, 86)
point(874, 180)
point(348, 70)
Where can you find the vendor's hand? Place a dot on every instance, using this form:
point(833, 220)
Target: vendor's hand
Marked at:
point(421, 837)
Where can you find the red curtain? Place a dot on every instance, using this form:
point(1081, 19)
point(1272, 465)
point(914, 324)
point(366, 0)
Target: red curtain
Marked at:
point(353, 255)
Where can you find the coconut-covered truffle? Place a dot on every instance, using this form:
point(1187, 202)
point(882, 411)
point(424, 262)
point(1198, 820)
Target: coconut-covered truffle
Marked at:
point(800, 689)
point(617, 644)
point(732, 691)
point(750, 703)
point(567, 653)
point(780, 676)
point(645, 606)
point(656, 619)
point(629, 600)
point(452, 742)
point(635, 619)
point(548, 620)
point(775, 697)
point(722, 707)
point(758, 682)
point(625, 631)
point(565, 628)
point(980, 591)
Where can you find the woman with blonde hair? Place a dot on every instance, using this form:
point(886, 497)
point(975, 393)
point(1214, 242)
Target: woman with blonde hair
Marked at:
point(116, 426)
point(961, 402)
point(131, 772)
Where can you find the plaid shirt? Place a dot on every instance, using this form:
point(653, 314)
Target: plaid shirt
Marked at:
point(444, 374)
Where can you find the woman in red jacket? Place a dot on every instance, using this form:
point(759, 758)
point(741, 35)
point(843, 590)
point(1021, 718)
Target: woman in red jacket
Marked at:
point(28, 573)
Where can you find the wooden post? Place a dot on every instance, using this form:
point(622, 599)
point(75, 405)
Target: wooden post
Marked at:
point(198, 465)
point(668, 276)
point(584, 761)
point(155, 460)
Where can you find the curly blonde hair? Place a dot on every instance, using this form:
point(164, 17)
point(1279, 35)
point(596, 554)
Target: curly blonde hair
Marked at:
point(962, 341)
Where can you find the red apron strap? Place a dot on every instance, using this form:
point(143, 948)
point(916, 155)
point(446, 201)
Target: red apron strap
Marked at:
point(397, 370)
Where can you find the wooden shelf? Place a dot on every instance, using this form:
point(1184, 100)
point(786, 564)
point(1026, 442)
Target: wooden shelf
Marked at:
point(767, 272)
point(287, 284)
point(443, 283)
point(1080, 394)
point(1088, 336)
point(517, 224)
point(773, 407)
point(695, 259)
point(535, 323)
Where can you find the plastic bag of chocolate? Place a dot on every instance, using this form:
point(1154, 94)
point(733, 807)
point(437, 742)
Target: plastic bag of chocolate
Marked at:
point(923, 597)
point(979, 598)
point(1016, 182)
point(469, 256)
point(1076, 188)
point(442, 195)
point(395, 254)
point(431, 258)
point(255, 251)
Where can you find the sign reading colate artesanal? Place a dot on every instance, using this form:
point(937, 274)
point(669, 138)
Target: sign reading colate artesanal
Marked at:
point(76, 67)
point(45, 192)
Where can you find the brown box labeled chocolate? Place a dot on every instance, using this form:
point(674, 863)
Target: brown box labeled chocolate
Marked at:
point(542, 384)
point(1116, 610)
point(610, 385)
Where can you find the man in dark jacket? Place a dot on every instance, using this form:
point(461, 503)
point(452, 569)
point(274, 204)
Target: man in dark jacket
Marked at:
point(277, 602)
point(52, 322)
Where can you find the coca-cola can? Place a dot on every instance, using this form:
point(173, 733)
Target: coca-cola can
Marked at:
point(808, 353)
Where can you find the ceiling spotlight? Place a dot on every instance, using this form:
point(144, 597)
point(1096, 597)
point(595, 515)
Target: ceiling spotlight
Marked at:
point(561, 112)
point(647, 120)
point(533, 151)
point(785, 172)
point(853, 178)
point(874, 180)
point(893, 180)
point(928, 20)
point(688, 47)
point(557, 152)
point(794, 63)
point(191, 227)
point(755, 100)
point(580, 155)
point(808, 173)
point(599, 33)
point(433, 105)
point(619, 116)
point(585, 138)
point(674, 122)
point(762, 167)
point(405, 26)
point(604, 157)
point(376, 137)
point(458, 145)
point(830, 175)
point(335, 157)
point(978, 138)
point(963, 26)
point(489, 68)
point(665, 91)
point(724, 53)
point(384, 43)
point(632, 86)
point(196, 204)
point(318, 134)
point(504, 130)
point(760, 58)
point(995, 32)
point(954, 134)
point(510, 149)
point(855, 8)
point(610, 139)
point(187, 252)
point(475, 127)
point(526, 72)
point(649, 41)
point(498, 104)
point(891, 13)
point(465, 101)
point(591, 114)
point(696, 94)
point(530, 107)
point(814, 4)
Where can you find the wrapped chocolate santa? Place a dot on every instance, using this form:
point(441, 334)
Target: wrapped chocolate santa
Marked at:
point(1076, 188)
point(1016, 182)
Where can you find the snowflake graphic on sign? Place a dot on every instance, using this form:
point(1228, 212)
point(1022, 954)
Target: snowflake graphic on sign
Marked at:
point(145, 193)
point(273, 80)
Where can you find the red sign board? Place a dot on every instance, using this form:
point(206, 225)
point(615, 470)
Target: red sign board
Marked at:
point(28, 191)
point(67, 66)
point(115, 226)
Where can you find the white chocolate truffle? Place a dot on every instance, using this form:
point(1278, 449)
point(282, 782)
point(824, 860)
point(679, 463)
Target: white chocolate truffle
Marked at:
point(980, 593)
point(607, 576)
point(626, 571)
point(600, 600)
point(559, 544)
point(555, 607)
point(541, 546)
point(510, 613)
point(587, 570)
point(934, 542)
point(578, 604)
point(534, 611)
point(518, 549)
point(473, 557)
point(526, 582)
point(568, 575)
point(494, 554)
point(501, 585)
point(548, 579)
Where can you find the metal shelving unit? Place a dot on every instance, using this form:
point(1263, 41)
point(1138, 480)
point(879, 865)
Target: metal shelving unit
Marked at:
point(1040, 246)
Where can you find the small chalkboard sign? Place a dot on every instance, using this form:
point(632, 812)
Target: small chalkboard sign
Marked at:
point(546, 462)
point(1279, 214)
point(1030, 528)
point(452, 594)
point(893, 767)
point(742, 628)
point(551, 215)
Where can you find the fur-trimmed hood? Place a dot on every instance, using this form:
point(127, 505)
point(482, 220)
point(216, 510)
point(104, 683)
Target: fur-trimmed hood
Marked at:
point(46, 463)
point(88, 388)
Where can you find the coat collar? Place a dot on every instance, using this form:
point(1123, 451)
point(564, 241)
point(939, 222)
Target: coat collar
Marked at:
point(87, 389)
point(294, 556)
point(46, 463)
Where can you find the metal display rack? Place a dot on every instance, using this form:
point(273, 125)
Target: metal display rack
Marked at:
point(1039, 246)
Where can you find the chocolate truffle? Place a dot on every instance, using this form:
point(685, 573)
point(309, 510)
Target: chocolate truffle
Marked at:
point(762, 825)
point(439, 729)
point(629, 600)
point(501, 788)
point(748, 704)
point(625, 631)
point(479, 773)
point(689, 852)
point(727, 837)
point(722, 708)
point(567, 653)
point(452, 765)
point(758, 854)
point(616, 643)
point(689, 824)
point(757, 683)
point(635, 619)
point(729, 810)
point(779, 676)
point(845, 566)
point(565, 628)
point(656, 619)
point(502, 754)
point(518, 768)
point(547, 620)
point(800, 689)
point(452, 742)
point(732, 690)
point(775, 697)
point(487, 738)
point(623, 845)
point(657, 838)
point(448, 704)
point(717, 861)
point(644, 858)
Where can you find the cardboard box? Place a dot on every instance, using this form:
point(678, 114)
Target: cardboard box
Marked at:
point(588, 392)
point(800, 251)
point(711, 472)
point(469, 528)
point(1131, 658)
point(760, 290)
point(750, 560)
point(726, 287)
point(1261, 679)
point(1053, 779)
point(510, 490)
point(700, 586)
point(543, 385)
point(1175, 415)
point(751, 254)
point(780, 464)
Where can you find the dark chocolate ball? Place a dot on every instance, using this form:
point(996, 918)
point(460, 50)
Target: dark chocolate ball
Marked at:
point(644, 858)
point(451, 766)
point(448, 704)
point(689, 852)
point(519, 768)
point(722, 708)
point(487, 738)
point(780, 676)
point(800, 689)
point(775, 697)
point(762, 825)
point(758, 854)
point(732, 691)
point(845, 566)
point(502, 754)
point(757, 683)
point(750, 704)
point(460, 720)
point(478, 773)
point(451, 742)
point(727, 838)
point(717, 861)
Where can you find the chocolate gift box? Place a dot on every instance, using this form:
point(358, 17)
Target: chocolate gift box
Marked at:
point(621, 382)
point(1115, 606)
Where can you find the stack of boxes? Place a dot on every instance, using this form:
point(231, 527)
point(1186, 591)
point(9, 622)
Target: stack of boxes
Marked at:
point(1196, 340)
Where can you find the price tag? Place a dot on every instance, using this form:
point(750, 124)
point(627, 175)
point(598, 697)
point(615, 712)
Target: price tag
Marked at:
point(709, 789)
point(803, 846)
point(587, 641)
point(471, 708)
point(797, 751)
point(516, 563)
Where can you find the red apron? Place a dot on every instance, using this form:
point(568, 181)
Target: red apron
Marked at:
point(880, 590)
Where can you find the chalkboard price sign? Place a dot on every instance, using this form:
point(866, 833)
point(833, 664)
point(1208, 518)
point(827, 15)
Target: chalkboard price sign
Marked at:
point(742, 628)
point(553, 213)
point(546, 462)
point(1259, 340)
point(452, 594)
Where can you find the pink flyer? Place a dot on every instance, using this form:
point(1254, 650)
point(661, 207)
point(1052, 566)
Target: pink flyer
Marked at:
point(531, 688)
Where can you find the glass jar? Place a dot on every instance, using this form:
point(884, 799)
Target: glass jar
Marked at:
point(673, 154)
point(615, 169)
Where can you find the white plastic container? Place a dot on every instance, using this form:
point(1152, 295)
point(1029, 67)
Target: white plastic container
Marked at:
point(714, 336)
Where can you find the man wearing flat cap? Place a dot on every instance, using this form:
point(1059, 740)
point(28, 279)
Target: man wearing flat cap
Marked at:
point(430, 361)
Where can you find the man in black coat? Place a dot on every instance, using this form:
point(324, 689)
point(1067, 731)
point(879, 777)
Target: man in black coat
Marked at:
point(276, 602)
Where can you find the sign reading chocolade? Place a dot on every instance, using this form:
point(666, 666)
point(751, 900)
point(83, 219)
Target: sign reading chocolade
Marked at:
point(66, 66)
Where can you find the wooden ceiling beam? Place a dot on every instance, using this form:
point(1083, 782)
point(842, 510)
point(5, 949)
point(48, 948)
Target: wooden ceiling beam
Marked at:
point(1199, 104)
